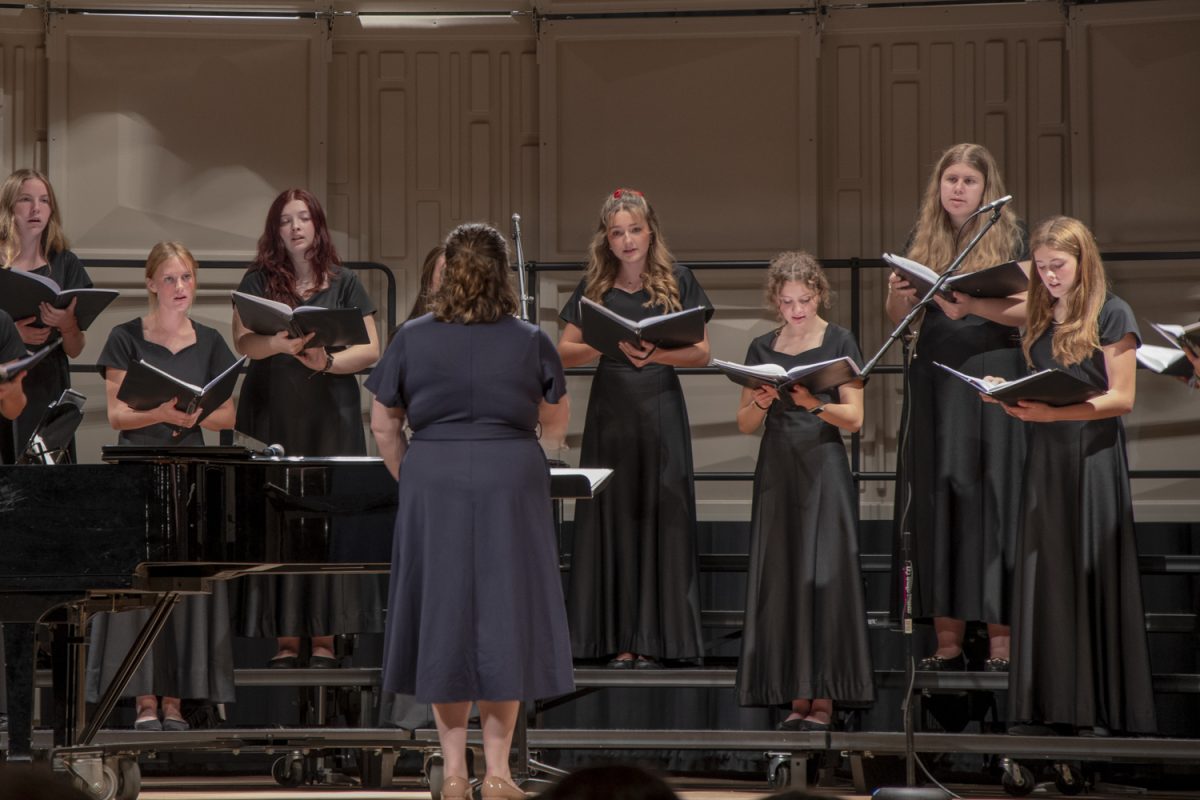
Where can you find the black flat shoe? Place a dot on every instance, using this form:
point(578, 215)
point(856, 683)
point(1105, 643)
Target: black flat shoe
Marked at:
point(322, 662)
point(620, 663)
point(148, 725)
point(937, 663)
point(647, 663)
point(284, 662)
point(1031, 729)
point(790, 725)
point(174, 724)
point(996, 665)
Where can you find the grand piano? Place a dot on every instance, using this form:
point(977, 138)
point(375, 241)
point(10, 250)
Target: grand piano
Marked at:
point(156, 523)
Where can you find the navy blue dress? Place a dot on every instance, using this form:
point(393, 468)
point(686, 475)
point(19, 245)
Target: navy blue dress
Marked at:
point(475, 610)
point(634, 566)
point(1079, 651)
point(806, 621)
point(46, 381)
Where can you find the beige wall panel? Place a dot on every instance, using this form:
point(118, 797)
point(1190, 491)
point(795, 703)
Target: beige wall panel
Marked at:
point(1135, 80)
point(161, 129)
point(710, 118)
point(22, 92)
point(446, 119)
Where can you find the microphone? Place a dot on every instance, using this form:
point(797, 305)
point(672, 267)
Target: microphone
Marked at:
point(516, 226)
point(999, 201)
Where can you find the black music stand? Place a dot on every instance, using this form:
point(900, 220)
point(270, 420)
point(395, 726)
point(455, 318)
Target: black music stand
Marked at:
point(51, 439)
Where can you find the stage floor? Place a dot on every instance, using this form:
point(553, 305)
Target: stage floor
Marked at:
point(688, 789)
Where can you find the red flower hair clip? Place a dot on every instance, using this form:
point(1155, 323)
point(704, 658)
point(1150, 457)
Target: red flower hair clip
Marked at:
point(617, 194)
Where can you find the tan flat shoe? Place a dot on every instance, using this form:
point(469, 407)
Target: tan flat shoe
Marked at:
point(456, 789)
point(497, 788)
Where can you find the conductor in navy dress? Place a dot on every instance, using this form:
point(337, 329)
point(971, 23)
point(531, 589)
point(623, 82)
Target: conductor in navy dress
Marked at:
point(475, 608)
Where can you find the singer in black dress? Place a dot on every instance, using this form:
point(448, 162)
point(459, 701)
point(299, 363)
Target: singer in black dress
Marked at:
point(959, 463)
point(29, 209)
point(1080, 657)
point(804, 642)
point(307, 400)
point(193, 657)
point(633, 592)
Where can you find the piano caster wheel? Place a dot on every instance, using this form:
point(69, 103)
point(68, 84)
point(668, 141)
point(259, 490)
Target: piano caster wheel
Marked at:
point(288, 770)
point(101, 782)
point(129, 775)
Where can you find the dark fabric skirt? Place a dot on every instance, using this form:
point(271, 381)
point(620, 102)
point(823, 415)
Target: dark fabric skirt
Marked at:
point(805, 634)
point(961, 463)
point(634, 565)
point(475, 609)
point(1079, 651)
point(192, 657)
point(284, 402)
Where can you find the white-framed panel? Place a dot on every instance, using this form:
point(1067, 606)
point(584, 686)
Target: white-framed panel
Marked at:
point(182, 129)
point(1135, 108)
point(712, 118)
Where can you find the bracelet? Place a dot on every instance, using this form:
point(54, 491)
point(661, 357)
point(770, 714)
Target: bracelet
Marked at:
point(760, 408)
point(818, 410)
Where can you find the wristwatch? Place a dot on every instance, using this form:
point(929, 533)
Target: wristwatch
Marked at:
point(328, 362)
point(817, 410)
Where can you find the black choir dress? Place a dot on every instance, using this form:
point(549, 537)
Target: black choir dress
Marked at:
point(475, 606)
point(1079, 650)
point(193, 657)
point(805, 634)
point(11, 348)
point(47, 380)
point(310, 414)
point(634, 566)
point(961, 460)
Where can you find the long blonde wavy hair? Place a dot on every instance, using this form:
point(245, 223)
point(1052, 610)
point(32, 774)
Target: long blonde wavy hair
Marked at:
point(936, 241)
point(1078, 335)
point(603, 264)
point(54, 241)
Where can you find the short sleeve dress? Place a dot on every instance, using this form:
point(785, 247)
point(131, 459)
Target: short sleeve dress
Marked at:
point(634, 564)
point(310, 414)
point(197, 364)
point(193, 656)
point(46, 381)
point(1079, 650)
point(476, 606)
point(805, 634)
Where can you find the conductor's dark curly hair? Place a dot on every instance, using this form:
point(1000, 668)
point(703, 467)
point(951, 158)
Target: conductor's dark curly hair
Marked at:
point(475, 284)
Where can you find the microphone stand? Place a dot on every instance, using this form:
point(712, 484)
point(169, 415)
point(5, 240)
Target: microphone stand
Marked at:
point(525, 298)
point(901, 331)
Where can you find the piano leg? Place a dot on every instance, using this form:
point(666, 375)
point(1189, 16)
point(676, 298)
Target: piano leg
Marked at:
point(18, 673)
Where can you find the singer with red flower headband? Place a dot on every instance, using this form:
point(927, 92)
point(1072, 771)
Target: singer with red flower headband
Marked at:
point(633, 592)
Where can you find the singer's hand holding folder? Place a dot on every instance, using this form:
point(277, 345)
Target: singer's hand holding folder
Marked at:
point(146, 387)
point(1001, 280)
point(1050, 386)
point(604, 330)
point(10, 371)
point(332, 327)
point(22, 294)
point(820, 376)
